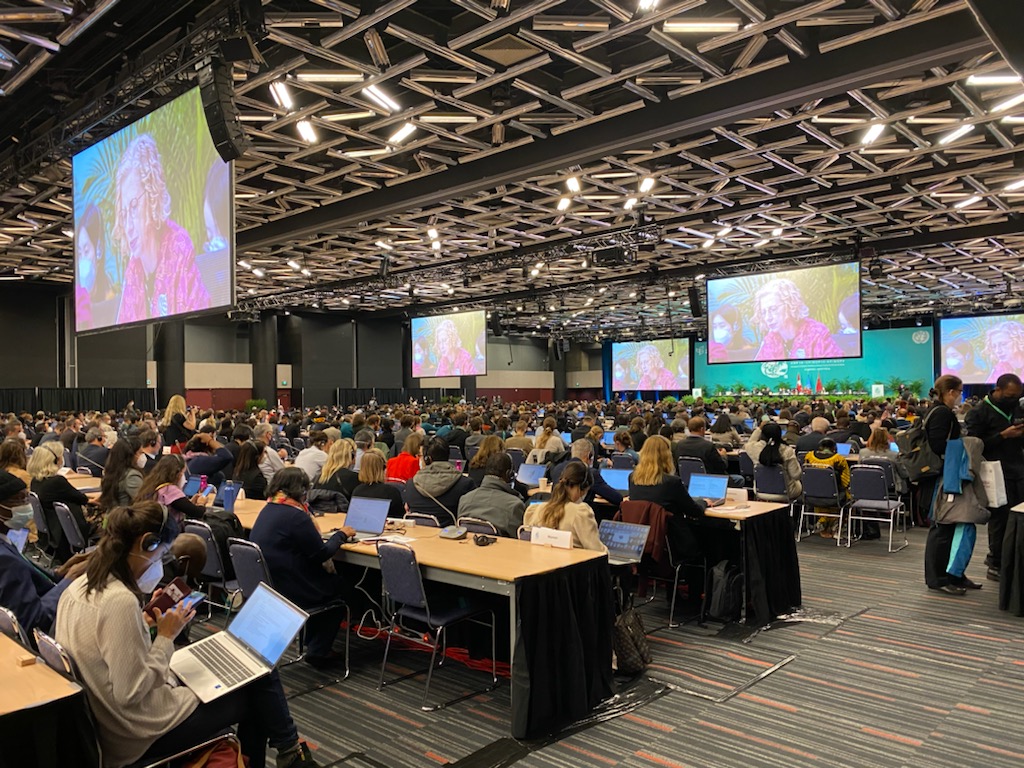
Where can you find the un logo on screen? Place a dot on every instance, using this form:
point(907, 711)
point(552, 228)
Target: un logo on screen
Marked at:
point(921, 337)
point(774, 370)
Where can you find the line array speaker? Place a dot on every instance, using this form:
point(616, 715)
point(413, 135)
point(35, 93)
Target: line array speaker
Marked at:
point(695, 306)
point(218, 94)
point(496, 328)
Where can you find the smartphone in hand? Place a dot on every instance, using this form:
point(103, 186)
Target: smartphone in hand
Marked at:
point(172, 594)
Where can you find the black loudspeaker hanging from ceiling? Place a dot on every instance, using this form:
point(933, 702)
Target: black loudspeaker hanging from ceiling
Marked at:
point(218, 94)
point(1002, 21)
point(696, 309)
point(558, 349)
point(496, 328)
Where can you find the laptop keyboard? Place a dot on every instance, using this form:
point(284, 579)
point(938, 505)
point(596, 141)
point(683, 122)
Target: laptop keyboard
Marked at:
point(221, 663)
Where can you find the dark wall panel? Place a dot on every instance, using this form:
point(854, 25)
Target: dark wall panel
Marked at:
point(328, 358)
point(28, 315)
point(113, 358)
point(380, 353)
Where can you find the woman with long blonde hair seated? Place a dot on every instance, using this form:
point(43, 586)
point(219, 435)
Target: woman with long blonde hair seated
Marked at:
point(566, 510)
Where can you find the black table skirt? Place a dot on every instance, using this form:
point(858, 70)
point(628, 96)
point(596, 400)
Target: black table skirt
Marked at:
point(563, 650)
point(773, 569)
point(54, 735)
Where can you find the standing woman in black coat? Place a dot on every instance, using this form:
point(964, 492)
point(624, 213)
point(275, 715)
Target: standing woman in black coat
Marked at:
point(178, 424)
point(941, 425)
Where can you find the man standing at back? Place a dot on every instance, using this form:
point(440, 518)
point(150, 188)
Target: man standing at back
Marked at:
point(995, 422)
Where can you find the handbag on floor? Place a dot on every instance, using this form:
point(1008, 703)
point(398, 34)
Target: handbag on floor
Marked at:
point(629, 641)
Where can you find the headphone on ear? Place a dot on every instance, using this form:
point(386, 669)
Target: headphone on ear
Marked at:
point(151, 541)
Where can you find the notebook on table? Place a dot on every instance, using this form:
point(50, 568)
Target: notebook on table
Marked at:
point(368, 517)
point(617, 478)
point(714, 488)
point(248, 649)
point(625, 541)
point(530, 474)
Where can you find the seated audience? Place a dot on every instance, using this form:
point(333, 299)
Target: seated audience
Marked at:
point(374, 483)
point(826, 455)
point(205, 456)
point(311, 460)
point(519, 439)
point(272, 460)
point(122, 476)
point(92, 456)
point(723, 432)
point(406, 464)
point(878, 448)
point(138, 711)
point(248, 474)
point(437, 488)
point(51, 487)
point(299, 560)
point(765, 447)
point(695, 446)
point(164, 485)
point(338, 473)
point(489, 446)
point(566, 510)
point(810, 441)
point(582, 451)
point(624, 445)
point(495, 500)
point(151, 448)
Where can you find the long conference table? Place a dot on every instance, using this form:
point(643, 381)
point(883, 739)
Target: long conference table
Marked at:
point(560, 612)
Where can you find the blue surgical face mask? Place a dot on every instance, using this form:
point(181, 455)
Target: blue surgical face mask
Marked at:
point(86, 274)
point(21, 516)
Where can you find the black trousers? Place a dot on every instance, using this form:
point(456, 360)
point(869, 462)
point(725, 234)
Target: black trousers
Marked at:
point(936, 555)
point(997, 523)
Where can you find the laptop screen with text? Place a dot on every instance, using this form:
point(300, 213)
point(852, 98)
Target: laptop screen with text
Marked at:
point(267, 624)
point(367, 515)
point(708, 486)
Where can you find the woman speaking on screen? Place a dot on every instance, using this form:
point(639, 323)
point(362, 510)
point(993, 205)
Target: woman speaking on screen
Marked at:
point(161, 278)
point(789, 332)
point(452, 358)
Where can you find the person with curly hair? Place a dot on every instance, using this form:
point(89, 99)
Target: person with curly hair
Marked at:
point(452, 358)
point(789, 332)
point(1004, 344)
point(652, 370)
point(161, 278)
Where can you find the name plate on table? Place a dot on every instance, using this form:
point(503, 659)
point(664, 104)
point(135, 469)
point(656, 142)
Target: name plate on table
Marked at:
point(736, 495)
point(551, 536)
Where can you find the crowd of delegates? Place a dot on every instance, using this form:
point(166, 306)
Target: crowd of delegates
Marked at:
point(436, 462)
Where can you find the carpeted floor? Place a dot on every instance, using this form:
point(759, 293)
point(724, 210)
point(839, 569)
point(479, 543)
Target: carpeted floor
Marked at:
point(880, 672)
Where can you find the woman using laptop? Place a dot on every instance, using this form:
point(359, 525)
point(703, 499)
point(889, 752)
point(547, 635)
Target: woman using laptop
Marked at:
point(299, 560)
point(126, 669)
point(566, 510)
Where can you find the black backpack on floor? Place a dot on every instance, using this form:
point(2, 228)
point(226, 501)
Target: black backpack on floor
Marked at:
point(726, 601)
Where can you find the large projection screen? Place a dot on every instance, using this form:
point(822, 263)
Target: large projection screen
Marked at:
point(662, 365)
point(449, 345)
point(154, 221)
point(981, 349)
point(811, 313)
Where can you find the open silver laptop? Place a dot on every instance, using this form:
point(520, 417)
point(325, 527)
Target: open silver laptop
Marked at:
point(625, 541)
point(368, 516)
point(249, 648)
point(530, 474)
point(714, 488)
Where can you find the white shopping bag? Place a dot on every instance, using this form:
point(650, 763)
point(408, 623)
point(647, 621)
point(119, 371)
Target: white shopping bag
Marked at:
point(995, 486)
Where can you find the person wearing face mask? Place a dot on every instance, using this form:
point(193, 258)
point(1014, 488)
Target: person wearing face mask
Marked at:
point(165, 483)
point(496, 501)
point(299, 560)
point(999, 422)
point(122, 475)
point(958, 359)
point(727, 341)
point(138, 708)
point(26, 589)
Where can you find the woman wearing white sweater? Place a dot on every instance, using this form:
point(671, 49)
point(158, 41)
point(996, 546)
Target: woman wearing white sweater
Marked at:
point(139, 707)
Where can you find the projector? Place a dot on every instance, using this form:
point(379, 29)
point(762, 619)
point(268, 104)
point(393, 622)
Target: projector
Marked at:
point(615, 256)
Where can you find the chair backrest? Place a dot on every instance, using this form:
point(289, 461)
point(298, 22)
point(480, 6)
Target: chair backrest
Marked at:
point(401, 575)
point(454, 453)
point(801, 455)
point(214, 568)
point(769, 480)
point(70, 527)
point(250, 565)
point(886, 465)
point(868, 483)
point(10, 626)
point(517, 456)
point(820, 485)
point(55, 656)
point(37, 513)
point(524, 532)
point(476, 525)
point(222, 439)
point(422, 518)
point(622, 461)
point(299, 443)
point(746, 464)
point(687, 466)
point(67, 458)
point(471, 451)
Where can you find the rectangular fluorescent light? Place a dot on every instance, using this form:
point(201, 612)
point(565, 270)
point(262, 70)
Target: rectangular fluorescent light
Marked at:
point(384, 246)
point(432, 233)
point(873, 133)
point(244, 264)
point(647, 5)
point(381, 98)
point(562, 23)
point(684, 25)
point(1014, 186)
point(326, 76)
point(761, 243)
point(282, 97)
point(306, 272)
point(960, 132)
point(932, 120)
point(1009, 103)
point(969, 201)
point(777, 232)
point(255, 118)
point(647, 184)
point(436, 245)
point(724, 231)
point(294, 264)
point(993, 79)
point(259, 272)
point(364, 152)
point(442, 76)
point(708, 243)
point(1013, 119)
point(572, 184)
point(564, 203)
point(402, 133)
point(451, 118)
point(630, 203)
point(306, 131)
point(833, 120)
point(337, 117)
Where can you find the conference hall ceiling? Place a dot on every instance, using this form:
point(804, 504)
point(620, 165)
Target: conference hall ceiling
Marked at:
point(576, 165)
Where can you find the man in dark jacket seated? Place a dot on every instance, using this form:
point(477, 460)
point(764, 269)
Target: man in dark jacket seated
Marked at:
point(583, 451)
point(437, 488)
point(495, 501)
point(26, 589)
point(696, 446)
